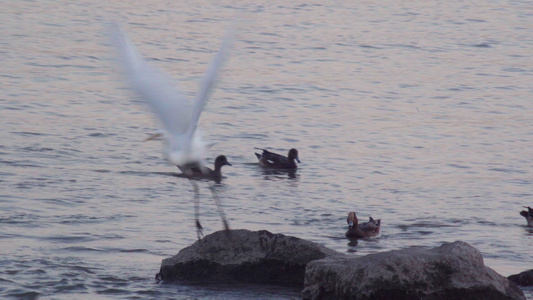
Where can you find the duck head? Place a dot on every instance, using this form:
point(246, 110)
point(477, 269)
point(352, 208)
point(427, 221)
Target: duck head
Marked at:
point(293, 154)
point(352, 220)
point(220, 161)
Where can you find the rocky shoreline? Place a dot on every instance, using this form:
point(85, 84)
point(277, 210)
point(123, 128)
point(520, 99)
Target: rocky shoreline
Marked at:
point(450, 271)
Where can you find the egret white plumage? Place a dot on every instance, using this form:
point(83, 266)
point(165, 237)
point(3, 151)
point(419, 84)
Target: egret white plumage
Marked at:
point(179, 116)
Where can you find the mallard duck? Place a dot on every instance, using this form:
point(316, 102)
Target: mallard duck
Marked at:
point(205, 172)
point(363, 230)
point(277, 161)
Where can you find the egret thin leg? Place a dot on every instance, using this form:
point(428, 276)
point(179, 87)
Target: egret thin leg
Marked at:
point(219, 207)
point(199, 228)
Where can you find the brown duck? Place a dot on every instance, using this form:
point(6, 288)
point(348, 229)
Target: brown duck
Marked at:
point(363, 230)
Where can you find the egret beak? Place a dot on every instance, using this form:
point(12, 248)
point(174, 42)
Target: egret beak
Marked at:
point(153, 137)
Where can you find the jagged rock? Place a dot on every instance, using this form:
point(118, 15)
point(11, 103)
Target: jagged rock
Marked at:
point(524, 279)
point(248, 256)
point(451, 271)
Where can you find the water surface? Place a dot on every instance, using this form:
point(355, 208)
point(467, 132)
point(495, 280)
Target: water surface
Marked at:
point(418, 113)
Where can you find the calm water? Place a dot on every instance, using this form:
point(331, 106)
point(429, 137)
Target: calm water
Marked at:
point(419, 113)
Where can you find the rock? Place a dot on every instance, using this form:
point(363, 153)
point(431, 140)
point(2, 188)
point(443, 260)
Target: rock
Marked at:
point(451, 271)
point(247, 256)
point(524, 279)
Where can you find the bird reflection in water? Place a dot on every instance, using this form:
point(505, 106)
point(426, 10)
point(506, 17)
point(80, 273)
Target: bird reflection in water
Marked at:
point(279, 173)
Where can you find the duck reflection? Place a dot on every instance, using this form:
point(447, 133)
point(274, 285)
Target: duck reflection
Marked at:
point(279, 173)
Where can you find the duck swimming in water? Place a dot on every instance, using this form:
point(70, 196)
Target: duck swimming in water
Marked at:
point(363, 230)
point(528, 215)
point(277, 161)
point(201, 172)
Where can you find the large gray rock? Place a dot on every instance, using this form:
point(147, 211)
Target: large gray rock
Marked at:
point(248, 256)
point(451, 271)
point(524, 279)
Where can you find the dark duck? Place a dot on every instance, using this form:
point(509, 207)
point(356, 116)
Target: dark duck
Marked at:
point(273, 160)
point(363, 230)
point(528, 215)
point(201, 172)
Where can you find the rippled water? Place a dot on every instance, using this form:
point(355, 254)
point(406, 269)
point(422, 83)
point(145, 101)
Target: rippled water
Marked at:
point(415, 112)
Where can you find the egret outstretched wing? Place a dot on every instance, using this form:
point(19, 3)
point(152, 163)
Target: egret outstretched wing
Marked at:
point(209, 80)
point(178, 116)
point(155, 88)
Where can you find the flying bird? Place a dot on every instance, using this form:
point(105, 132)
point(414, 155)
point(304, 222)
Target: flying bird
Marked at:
point(178, 115)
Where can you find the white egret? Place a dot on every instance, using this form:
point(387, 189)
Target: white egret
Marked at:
point(179, 117)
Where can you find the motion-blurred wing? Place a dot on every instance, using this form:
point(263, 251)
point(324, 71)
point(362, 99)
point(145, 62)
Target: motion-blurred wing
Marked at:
point(208, 81)
point(173, 110)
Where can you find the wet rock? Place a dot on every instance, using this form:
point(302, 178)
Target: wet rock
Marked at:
point(451, 271)
point(247, 256)
point(524, 279)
